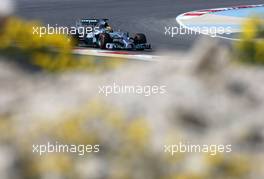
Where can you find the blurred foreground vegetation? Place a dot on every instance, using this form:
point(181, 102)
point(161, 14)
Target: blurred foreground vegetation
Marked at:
point(128, 150)
point(48, 52)
point(251, 47)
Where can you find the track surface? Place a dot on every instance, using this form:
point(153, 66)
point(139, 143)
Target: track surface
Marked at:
point(147, 16)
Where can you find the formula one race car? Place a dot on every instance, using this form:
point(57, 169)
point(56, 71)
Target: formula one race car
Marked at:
point(98, 33)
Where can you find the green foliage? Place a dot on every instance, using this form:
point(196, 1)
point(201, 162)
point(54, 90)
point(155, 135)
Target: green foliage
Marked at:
point(50, 52)
point(251, 48)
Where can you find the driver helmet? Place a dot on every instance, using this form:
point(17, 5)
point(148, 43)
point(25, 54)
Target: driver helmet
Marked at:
point(104, 25)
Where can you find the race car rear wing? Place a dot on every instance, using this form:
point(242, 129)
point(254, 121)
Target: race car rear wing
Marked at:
point(91, 21)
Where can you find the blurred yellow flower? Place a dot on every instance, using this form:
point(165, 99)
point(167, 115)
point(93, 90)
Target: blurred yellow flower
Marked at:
point(52, 52)
point(251, 48)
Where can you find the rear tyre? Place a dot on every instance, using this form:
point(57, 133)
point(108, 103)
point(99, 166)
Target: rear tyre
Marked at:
point(75, 39)
point(104, 38)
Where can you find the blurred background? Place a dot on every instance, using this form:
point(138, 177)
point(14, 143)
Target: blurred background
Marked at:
point(47, 94)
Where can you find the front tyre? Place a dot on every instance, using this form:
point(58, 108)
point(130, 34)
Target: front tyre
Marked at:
point(140, 39)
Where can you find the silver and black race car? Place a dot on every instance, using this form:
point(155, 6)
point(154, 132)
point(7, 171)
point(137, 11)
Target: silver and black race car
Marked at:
point(98, 33)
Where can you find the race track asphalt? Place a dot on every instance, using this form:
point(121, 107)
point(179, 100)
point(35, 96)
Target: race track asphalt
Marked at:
point(146, 16)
